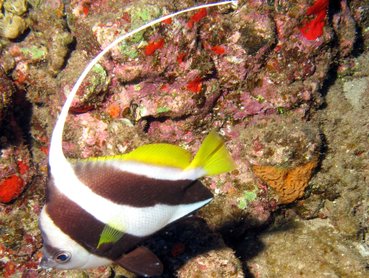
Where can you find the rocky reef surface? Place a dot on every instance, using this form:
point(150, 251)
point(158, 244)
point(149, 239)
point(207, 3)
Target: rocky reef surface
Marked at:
point(285, 82)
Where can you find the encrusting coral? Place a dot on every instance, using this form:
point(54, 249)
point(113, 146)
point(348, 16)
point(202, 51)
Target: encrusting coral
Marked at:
point(289, 183)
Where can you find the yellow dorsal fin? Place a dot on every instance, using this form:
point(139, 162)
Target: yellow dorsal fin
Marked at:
point(158, 154)
point(213, 156)
point(111, 233)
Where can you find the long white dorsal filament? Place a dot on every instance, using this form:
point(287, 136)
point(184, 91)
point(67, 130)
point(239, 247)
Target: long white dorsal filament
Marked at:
point(56, 151)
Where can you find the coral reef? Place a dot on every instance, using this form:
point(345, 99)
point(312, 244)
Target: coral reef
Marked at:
point(260, 73)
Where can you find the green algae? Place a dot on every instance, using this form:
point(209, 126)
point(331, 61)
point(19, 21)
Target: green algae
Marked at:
point(281, 110)
point(162, 109)
point(34, 52)
point(140, 15)
point(246, 199)
point(100, 78)
point(100, 70)
point(128, 50)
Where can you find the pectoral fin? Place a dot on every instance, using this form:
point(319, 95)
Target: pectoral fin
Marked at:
point(141, 261)
point(112, 232)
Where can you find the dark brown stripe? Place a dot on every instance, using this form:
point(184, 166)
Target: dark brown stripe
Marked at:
point(138, 191)
point(83, 227)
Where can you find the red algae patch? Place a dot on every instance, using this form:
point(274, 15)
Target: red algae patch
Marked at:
point(313, 29)
point(153, 46)
point(195, 85)
point(10, 188)
point(167, 21)
point(197, 17)
point(218, 49)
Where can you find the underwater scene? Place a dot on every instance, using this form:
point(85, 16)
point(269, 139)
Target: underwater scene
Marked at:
point(163, 138)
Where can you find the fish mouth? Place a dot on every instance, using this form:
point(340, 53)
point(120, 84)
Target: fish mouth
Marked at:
point(46, 263)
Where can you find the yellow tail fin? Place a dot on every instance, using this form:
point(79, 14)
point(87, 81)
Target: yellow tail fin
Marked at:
point(213, 156)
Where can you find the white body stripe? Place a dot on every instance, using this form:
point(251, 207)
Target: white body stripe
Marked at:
point(81, 257)
point(135, 221)
point(157, 172)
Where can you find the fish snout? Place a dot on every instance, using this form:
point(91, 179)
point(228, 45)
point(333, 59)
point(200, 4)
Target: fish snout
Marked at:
point(46, 262)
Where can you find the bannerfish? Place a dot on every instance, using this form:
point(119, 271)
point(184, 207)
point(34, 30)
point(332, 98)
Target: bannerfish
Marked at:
point(99, 210)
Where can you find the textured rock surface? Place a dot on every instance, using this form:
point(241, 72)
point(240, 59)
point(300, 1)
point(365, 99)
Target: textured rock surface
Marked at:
point(335, 239)
point(343, 175)
point(261, 74)
point(6, 93)
point(306, 249)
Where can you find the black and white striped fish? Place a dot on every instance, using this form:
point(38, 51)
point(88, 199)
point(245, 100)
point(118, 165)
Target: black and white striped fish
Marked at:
point(99, 210)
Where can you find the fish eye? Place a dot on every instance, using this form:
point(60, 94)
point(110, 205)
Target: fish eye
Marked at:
point(62, 257)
